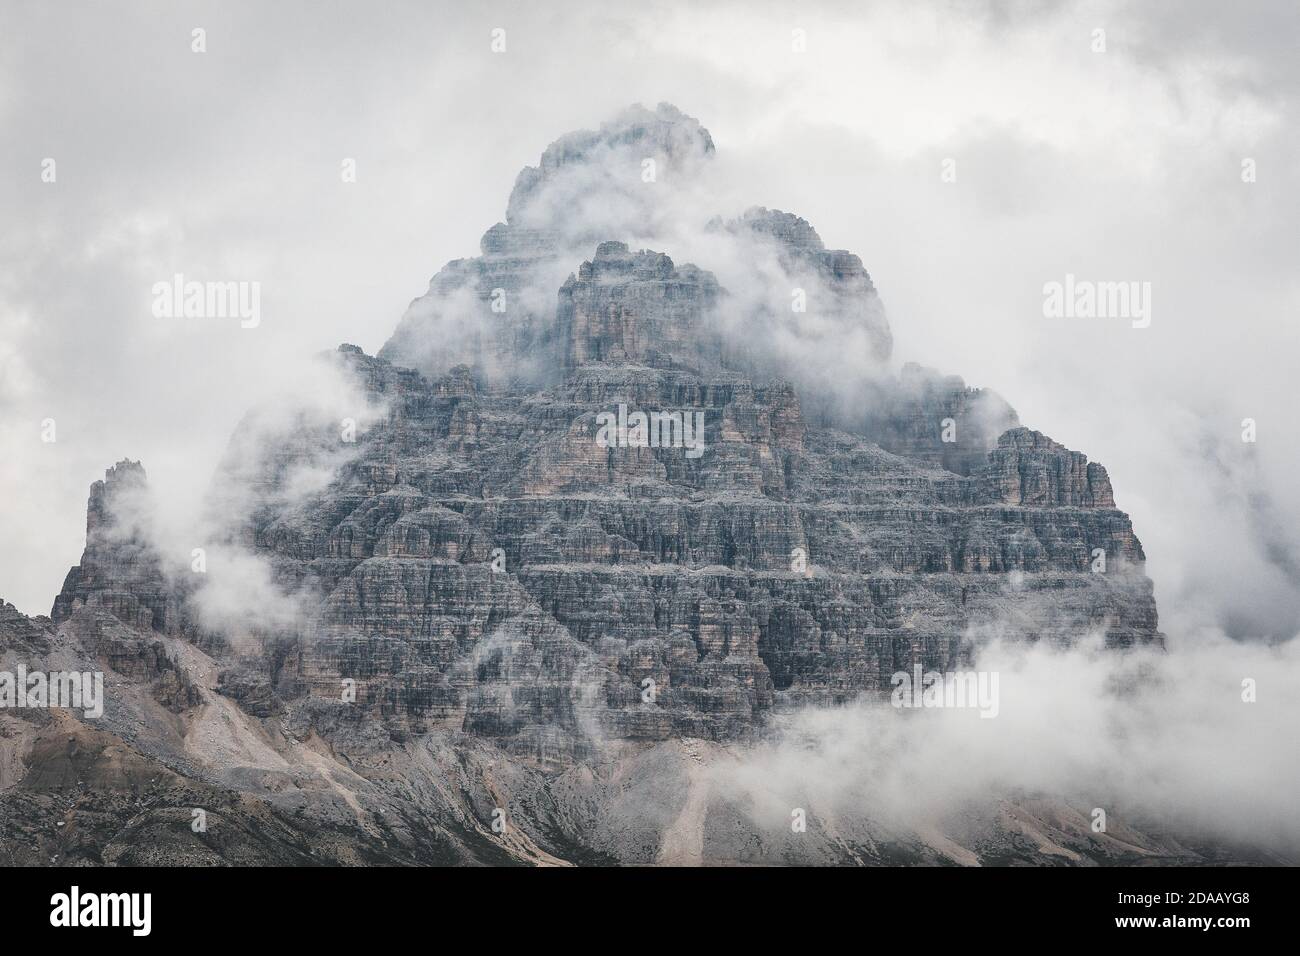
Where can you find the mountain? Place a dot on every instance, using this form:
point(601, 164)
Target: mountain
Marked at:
point(596, 520)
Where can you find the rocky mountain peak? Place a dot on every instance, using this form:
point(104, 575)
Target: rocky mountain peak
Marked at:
point(629, 486)
point(635, 308)
point(791, 231)
point(598, 465)
point(115, 503)
point(609, 159)
point(120, 568)
point(780, 303)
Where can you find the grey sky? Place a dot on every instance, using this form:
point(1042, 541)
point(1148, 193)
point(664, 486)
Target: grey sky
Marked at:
point(1122, 165)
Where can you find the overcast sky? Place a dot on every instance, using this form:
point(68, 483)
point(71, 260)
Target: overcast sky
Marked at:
point(1117, 165)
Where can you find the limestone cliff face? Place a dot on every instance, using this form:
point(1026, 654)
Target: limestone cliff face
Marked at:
point(635, 309)
point(120, 570)
point(786, 565)
point(493, 557)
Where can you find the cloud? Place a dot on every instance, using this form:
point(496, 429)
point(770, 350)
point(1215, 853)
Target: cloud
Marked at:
point(1161, 741)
